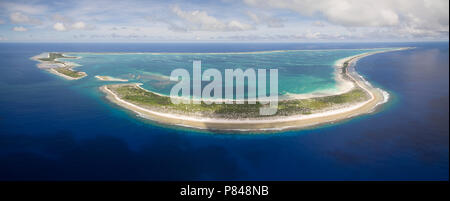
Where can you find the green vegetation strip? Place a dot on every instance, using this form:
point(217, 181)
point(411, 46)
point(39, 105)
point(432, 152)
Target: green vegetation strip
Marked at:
point(69, 72)
point(157, 102)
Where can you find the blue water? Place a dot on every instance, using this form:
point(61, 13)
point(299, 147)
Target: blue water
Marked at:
point(53, 129)
point(299, 72)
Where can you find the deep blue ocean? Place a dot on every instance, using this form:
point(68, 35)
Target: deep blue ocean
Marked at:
point(52, 129)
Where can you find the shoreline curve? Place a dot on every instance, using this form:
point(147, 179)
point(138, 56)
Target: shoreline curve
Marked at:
point(272, 124)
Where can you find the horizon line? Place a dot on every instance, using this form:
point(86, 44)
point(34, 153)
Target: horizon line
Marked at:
point(294, 42)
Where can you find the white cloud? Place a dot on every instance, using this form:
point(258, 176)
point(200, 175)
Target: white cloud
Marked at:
point(59, 26)
point(265, 19)
point(235, 25)
point(20, 29)
point(3, 38)
point(79, 25)
point(71, 24)
point(67, 26)
point(20, 18)
point(294, 20)
point(318, 23)
point(201, 21)
point(61, 18)
point(415, 17)
point(2, 21)
point(345, 12)
point(24, 8)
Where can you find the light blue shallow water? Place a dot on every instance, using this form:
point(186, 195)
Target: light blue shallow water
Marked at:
point(54, 129)
point(299, 72)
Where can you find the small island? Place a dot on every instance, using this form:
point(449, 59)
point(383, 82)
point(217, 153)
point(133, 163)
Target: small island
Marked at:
point(50, 62)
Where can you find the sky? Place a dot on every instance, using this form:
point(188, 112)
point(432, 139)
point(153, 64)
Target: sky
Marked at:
point(224, 20)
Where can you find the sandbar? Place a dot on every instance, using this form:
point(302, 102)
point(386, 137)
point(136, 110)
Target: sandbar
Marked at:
point(109, 78)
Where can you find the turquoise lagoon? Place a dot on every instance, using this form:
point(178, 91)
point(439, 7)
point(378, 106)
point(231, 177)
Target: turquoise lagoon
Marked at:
point(299, 71)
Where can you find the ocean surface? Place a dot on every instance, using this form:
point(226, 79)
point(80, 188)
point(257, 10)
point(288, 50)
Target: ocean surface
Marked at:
point(299, 72)
point(55, 129)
